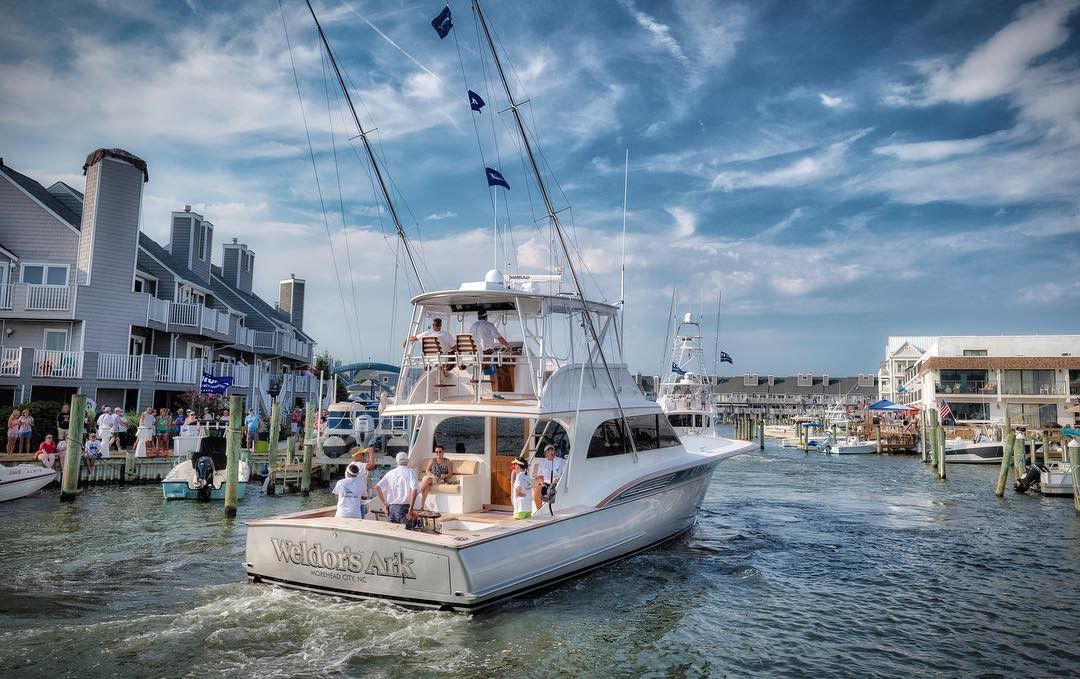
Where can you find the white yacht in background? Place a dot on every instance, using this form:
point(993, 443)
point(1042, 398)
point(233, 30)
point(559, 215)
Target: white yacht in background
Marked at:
point(848, 446)
point(1057, 479)
point(981, 450)
point(686, 394)
point(627, 483)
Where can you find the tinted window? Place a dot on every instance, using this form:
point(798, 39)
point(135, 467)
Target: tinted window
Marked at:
point(550, 431)
point(650, 432)
point(681, 420)
point(461, 434)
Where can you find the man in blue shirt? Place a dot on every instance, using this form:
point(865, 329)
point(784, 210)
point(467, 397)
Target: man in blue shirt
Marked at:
point(251, 429)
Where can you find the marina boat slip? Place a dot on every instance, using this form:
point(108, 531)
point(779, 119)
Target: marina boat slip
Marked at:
point(618, 494)
point(203, 476)
point(686, 394)
point(23, 479)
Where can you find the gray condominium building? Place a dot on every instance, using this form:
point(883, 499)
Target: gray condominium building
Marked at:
point(90, 304)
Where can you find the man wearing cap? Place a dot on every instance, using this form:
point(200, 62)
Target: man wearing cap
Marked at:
point(353, 489)
point(486, 334)
point(521, 488)
point(548, 472)
point(446, 342)
point(397, 490)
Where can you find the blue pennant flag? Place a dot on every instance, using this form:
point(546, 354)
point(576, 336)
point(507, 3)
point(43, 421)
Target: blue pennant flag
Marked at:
point(215, 385)
point(495, 178)
point(726, 358)
point(443, 23)
point(475, 101)
point(676, 369)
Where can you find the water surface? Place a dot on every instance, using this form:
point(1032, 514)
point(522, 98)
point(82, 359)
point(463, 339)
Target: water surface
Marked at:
point(801, 564)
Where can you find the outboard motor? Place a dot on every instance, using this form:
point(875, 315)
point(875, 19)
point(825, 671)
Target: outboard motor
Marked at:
point(204, 476)
point(1029, 479)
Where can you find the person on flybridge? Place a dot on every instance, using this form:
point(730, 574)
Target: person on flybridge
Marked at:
point(446, 341)
point(486, 334)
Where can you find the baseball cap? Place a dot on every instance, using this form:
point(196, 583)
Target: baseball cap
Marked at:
point(402, 458)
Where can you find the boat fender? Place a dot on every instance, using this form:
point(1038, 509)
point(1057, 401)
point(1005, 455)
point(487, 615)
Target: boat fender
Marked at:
point(1029, 479)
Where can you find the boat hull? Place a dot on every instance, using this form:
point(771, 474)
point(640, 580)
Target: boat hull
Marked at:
point(1057, 480)
point(853, 449)
point(981, 453)
point(24, 480)
point(180, 490)
point(340, 557)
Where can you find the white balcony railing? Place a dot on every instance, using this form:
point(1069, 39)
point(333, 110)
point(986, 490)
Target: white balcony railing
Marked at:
point(67, 364)
point(119, 367)
point(221, 325)
point(240, 373)
point(157, 309)
point(181, 313)
point(179, 370)
point(10, 361)
point(7, 296)
point(263, 340)
point(48, 297)
point(245, 336)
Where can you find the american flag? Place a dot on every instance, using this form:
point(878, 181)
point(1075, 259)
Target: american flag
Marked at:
point(944, 411)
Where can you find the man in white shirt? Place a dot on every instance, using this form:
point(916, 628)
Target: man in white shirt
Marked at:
point(397, 489)
point(548, 472)
point(105, 428)
point(486, 334)
point(446, 341)
point(521, 486)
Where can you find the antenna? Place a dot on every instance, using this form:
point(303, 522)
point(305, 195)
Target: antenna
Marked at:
point(554, 219)
point(370, 153)
point(622, 269)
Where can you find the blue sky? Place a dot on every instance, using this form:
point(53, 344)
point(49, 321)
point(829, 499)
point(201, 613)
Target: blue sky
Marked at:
point(841, 171)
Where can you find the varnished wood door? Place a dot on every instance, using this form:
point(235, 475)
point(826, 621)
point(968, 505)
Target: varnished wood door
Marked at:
point(506, 438)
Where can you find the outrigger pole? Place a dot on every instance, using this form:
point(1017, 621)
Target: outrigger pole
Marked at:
point(371, 154)
point(589, 323)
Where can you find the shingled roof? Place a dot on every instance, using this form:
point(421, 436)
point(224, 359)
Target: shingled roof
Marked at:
point(42, 195)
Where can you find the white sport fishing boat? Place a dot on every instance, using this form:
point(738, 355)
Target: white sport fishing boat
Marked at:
point(982, 450)
point(1057, 479)
point(686, 394)
point(628, 482)
point(848, 446)
point(23, 479)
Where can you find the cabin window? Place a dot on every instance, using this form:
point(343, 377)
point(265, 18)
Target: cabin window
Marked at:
point(681, 420)
point(650, 432)
point(550, 431)
point(461, 435)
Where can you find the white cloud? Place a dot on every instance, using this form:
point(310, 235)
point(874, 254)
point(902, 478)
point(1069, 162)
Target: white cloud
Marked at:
point(931, 151)
point(439, 216)
point(659, 33)
point(999, 65)
point(685, 222)
point(806, 170)
point(782, 225)
point(830, 102)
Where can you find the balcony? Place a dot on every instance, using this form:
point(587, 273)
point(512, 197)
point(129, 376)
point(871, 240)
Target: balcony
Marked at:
point(10, 361)
point(212, 320)
point(37, 300)
point(240, 373)
point(157, 310)
point(264, 340)
point(182, 313)
point(119, 367)
point(976, 387)
point(62, 364)
point(179, 370)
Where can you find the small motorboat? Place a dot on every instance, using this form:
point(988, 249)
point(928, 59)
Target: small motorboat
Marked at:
point(848, 446)
point(203, 476)
point(1056, 479)
point(23, 479)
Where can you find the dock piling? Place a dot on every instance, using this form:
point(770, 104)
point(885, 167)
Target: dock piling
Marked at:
point(877, 437)
point(1006, 462)
point(275, 433)
point(1074, 459)
point(69, 484)
point(232, 455)
point(941, 453)
point(309, 434)
point(761, 434)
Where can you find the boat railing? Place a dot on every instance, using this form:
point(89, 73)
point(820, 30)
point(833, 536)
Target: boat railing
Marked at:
point(442, 377)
